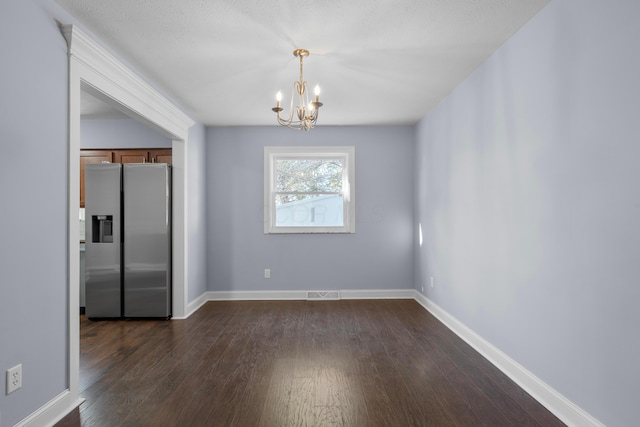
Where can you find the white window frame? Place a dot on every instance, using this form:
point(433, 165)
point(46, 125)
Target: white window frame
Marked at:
point(347, 153)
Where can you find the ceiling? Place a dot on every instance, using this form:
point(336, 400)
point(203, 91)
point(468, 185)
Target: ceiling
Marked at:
point(376, 61)
point(92, 107)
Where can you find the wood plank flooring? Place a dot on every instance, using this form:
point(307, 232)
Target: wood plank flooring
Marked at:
point(293, 363)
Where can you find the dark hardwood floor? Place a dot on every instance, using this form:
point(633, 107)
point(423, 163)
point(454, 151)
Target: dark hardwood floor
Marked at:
point(293, 363)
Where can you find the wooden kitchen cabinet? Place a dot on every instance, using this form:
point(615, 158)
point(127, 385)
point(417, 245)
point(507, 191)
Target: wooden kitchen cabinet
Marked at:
point(153, 155)
point(160, 156)
point(133, 155)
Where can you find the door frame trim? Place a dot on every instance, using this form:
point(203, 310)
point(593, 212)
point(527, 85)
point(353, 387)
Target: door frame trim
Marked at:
point(93, 69)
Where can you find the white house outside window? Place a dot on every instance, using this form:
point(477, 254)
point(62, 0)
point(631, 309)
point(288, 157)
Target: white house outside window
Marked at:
point(309, 190)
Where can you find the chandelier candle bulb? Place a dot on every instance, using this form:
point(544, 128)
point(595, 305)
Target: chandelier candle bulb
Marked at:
point(317, 92)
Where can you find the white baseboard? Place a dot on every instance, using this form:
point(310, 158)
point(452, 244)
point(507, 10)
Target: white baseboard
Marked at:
point(255, 295)
point(378, 294)
point(556, 403)
point(194, 305)
point(52, 411)
point(302, 295)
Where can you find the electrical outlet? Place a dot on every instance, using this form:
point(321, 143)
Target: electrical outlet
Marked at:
point(432, 281)
point(267, 273)
point(14, 378)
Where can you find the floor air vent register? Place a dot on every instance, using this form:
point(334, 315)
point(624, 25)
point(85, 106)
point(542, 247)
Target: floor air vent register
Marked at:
point(323, 295)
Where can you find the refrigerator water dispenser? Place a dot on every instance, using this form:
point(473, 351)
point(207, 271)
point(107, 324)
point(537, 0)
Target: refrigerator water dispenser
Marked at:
point(102, 228)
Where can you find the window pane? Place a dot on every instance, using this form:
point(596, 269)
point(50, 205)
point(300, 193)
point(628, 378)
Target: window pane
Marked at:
point(308, 175)
point(309, 189)
point(311, 210)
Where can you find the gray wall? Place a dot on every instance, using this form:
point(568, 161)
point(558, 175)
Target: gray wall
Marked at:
point(527, 188)
point(120, 133)
point(378, 256)
point(33, 188)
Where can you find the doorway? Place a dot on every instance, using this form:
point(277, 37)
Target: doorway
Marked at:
point(93, 70)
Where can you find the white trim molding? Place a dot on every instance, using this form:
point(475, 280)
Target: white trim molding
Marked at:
point(53, 411)
point(557, 404)
point(125, 88)
point(378, 294)
point(302, 295)
point(194, 306)
point(305, 224)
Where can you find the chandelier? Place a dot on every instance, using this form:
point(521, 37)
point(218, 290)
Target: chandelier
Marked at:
point(306, 113)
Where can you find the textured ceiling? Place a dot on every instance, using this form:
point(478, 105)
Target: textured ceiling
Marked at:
point(95, 108)
point(377, 61)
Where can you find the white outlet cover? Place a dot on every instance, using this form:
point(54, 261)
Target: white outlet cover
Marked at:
point(14, 378)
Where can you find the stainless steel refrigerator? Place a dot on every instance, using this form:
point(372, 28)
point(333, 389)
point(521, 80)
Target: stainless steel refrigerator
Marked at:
point(128, 240)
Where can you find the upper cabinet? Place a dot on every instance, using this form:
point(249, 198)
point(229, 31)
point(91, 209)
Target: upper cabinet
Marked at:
point(154, 155)
point(160, 156)
point(131, 156)
point(136, 155)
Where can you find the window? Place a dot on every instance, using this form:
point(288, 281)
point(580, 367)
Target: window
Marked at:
point(309, 190)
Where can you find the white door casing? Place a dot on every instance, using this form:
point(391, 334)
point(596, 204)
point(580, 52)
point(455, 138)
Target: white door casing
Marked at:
point(93, 69)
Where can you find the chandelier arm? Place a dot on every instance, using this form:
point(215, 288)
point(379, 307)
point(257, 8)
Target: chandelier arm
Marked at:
point(291, 113)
